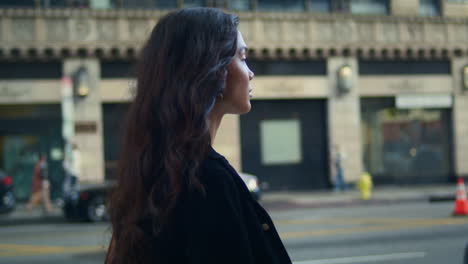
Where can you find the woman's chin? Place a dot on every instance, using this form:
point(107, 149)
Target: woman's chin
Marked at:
point(247, 108)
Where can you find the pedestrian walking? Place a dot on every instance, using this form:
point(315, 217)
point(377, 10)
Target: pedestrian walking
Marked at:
point(73, 169)
point(40, 188)
point(177, 200)
point(337, 171)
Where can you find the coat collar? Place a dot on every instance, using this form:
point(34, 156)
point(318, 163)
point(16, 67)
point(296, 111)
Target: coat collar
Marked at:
point(213, 154)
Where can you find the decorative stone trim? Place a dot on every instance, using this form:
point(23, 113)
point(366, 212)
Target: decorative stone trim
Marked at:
point(118, 34)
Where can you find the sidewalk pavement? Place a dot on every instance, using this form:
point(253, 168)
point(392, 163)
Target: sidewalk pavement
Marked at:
point(380, 195)
point(286, 200)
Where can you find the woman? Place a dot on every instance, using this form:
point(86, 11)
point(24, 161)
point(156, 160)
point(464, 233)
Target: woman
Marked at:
point(40, 188)
point(178, 200)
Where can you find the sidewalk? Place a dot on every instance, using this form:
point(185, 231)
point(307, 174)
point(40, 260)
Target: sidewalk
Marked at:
point(380, 195)
point(38, 215)
point(285, 200)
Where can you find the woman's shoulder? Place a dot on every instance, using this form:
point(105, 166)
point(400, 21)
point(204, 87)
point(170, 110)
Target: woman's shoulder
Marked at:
point(214, 163)
point(216, 171)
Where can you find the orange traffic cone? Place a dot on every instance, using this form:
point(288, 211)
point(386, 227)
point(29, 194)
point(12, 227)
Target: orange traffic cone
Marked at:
point(461, 204)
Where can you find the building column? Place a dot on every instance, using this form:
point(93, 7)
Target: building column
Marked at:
point(460, 118)
point(344, 118)
point(454, 9)
point(227, 141)
point(88, 121)
point(404, 7)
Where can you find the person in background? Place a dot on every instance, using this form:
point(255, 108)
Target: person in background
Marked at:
point(73, 169)
point(40, 189)
point(337, 169)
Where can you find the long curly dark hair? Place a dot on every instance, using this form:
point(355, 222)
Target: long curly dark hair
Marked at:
point(181, 71)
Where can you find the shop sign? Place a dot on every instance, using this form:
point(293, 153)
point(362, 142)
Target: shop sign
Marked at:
point(13, 92)
point(84, 127)
point(412, 101)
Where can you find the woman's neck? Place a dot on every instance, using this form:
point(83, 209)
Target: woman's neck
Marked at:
point(214, 122)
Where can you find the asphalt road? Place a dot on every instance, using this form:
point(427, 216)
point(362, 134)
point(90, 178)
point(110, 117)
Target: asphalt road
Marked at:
point(413, 233)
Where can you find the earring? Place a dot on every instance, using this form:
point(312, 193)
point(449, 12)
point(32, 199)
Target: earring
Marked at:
point(221, 96)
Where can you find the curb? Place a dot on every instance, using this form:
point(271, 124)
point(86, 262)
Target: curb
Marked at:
point(290, 204)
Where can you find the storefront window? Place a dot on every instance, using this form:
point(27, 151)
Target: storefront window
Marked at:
point(281, 142)
point(27, 130)
point(281, 5)
point(406, 145)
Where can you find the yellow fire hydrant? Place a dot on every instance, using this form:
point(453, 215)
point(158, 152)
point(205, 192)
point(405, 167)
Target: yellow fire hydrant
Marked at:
point(364, 185)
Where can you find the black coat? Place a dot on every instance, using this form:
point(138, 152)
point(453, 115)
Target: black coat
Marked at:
point(224, 226)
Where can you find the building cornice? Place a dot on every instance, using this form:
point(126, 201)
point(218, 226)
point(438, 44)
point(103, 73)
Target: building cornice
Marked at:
point(118, 34)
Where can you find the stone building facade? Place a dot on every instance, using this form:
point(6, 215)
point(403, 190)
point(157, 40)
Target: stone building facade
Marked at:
point(411, 68)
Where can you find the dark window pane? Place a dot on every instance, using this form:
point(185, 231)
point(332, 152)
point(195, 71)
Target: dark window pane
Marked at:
point(429, 7)
point(240, 5)
point(320, 6)
point(54, 3)
point(31, 70)
point(166, 4)
point(340, 6)
point(192, 3)
point(17, 3)
point(102, 4)
point(403, 67)
point(113, 121)
point(117, 69)
point(79, 3)
point(379, 7)
point(281, 5)
point(138, 4)
point(288, 67)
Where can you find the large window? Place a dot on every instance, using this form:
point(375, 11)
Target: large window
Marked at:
point(281, 5)
point(406, 145)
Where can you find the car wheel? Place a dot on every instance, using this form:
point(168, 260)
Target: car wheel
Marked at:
point(9, 201)
point(97, 209)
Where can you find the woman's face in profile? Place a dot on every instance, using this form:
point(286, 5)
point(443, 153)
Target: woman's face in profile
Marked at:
point(237, 93)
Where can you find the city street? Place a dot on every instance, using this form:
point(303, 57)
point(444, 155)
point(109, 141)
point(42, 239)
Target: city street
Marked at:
point(415, 233)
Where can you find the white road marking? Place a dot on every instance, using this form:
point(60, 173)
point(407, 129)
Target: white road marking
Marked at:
point(364, 259)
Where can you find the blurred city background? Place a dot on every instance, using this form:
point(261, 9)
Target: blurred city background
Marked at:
point(357, 135)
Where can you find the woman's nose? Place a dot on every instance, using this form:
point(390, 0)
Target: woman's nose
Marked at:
point(251, 75)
